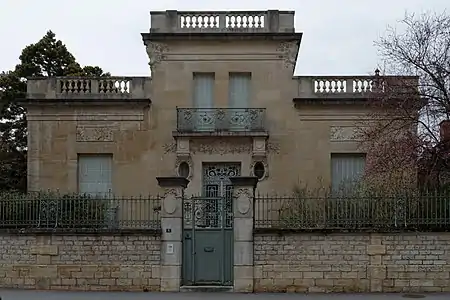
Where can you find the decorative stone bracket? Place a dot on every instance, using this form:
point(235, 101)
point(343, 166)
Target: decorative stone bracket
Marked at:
point(156, 53)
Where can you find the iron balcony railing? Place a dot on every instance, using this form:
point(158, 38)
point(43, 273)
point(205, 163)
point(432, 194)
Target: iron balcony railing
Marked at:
point(192, 120)
point(419, 212)
point(75, 212)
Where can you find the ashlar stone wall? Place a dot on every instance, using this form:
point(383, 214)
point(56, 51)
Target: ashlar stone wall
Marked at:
point(349, 262)
point(80, 262)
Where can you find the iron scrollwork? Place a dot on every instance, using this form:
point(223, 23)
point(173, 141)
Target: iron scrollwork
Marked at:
point(48, 213)
point(220, 119)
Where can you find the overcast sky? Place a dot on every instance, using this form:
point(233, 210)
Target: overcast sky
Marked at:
point(338, 34)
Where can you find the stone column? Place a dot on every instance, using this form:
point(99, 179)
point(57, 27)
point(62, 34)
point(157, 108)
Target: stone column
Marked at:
point(171, 236)
point(243, 195)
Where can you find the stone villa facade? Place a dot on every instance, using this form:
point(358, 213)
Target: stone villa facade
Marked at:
point(222, 91)
point(220, 117)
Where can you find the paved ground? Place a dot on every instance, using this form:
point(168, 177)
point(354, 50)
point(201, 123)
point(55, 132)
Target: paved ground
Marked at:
point(27, 295)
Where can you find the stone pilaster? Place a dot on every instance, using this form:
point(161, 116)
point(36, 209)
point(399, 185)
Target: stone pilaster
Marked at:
point(171, 237)
point(376, 270)
point(243, 197)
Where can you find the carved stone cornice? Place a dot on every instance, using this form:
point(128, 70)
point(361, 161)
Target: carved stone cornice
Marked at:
point(156, 53)
point(288, 53)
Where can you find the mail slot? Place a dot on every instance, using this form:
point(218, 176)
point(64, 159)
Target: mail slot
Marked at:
point(209, 249)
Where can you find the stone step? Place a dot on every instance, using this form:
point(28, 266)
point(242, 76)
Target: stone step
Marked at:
point(206, 289)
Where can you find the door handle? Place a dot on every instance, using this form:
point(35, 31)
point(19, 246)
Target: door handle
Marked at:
point(209, 249)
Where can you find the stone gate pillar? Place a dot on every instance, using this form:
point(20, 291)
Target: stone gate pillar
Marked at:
point(171, 236)
point(243, 196)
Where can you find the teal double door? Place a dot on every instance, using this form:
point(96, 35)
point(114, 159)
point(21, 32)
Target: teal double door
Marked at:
point(208, 229)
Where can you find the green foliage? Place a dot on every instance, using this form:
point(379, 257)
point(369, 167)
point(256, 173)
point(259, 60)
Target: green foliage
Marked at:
point(52, 210)
point(47, 57)
point(365, 207)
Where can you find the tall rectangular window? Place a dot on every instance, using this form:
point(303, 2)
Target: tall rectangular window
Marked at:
point(203, 118)
point(347, 170)
point(95, 174)
point(239, 87)
point(204, 90)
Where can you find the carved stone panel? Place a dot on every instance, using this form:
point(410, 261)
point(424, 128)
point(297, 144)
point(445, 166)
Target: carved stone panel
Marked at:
point(90, 133)
point(243, 201)
point(344, 133)
point(183, 147)
point(259, 146)
point(220, 147)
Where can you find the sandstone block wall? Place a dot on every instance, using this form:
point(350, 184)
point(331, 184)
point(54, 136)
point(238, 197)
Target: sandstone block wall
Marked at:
point(80, 262)
point(348, 262)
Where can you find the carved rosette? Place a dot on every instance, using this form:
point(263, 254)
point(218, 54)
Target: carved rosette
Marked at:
point(190, 163)
point(94, 134)
point(156, 53)
point(288, 53)
point(221, 147)
point(265, 164)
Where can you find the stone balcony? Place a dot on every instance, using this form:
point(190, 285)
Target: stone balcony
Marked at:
point(172, 21)
point(221, 122)
point(340, 88)
point(88, 89)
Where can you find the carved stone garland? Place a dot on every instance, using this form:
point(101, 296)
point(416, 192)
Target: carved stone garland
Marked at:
point(265, 164)
point(288, 53)
point(156, 53)
point(187, 160)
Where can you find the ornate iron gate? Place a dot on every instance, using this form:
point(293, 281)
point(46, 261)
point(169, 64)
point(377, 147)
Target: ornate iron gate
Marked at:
point(208, 229)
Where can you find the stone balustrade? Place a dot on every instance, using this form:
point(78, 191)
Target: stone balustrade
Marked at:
point(173, 21)
point(350, 86)
point(89, 88)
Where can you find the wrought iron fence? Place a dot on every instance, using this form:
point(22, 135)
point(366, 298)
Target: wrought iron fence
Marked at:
point(220, 119)
point(51, 211)
point(427, 213)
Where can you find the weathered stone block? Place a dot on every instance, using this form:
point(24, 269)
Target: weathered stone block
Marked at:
point(45, 250)
point(376, 249)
